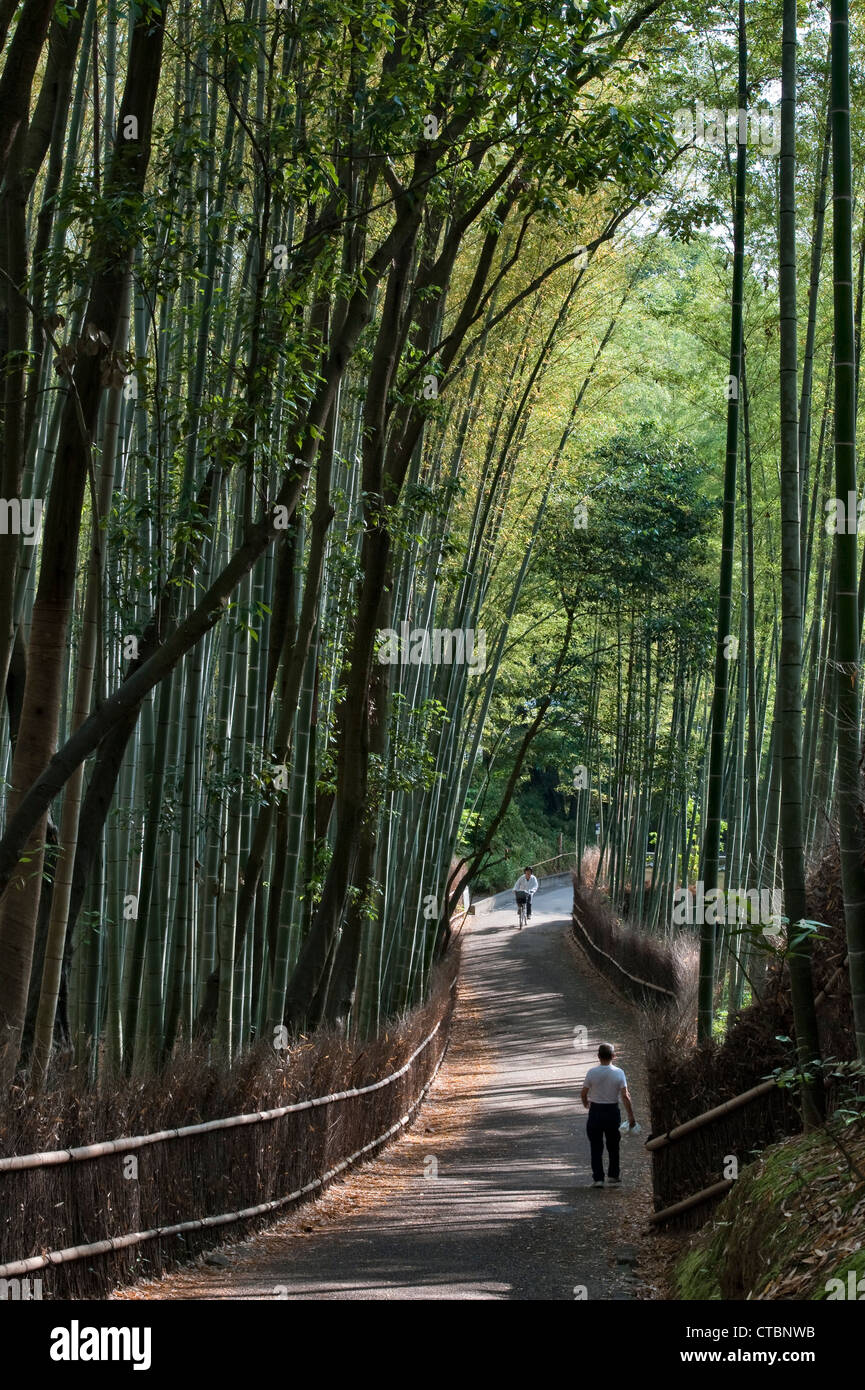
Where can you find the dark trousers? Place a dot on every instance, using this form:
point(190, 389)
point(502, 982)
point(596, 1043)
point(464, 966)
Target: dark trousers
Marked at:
point(603, 1123)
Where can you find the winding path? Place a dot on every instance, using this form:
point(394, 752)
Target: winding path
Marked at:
point(489, 1196)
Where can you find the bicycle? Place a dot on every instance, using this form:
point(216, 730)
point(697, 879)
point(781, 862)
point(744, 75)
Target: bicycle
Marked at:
point(522, 899)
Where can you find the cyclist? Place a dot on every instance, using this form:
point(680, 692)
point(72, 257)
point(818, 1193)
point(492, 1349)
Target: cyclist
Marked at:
point(527, 884)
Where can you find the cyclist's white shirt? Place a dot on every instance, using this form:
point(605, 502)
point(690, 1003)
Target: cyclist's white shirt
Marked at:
point(526, 885)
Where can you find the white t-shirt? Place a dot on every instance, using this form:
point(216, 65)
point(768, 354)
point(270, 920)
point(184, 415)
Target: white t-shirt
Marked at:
point(605, 1083)
point(526, 885)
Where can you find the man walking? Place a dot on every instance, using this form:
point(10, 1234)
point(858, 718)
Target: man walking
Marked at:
point(602, 1089)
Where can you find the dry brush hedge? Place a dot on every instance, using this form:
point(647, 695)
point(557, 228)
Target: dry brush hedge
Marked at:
point(686, 1080)
point(205, 1175)
point(645, 969)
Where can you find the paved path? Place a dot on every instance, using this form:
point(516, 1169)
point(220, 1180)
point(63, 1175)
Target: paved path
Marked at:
point(511, 1214)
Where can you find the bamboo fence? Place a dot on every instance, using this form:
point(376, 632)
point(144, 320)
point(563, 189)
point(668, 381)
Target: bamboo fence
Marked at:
point(91, 1212)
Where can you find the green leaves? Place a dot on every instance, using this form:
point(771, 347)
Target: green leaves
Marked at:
point(647, 521)
point(65, 13)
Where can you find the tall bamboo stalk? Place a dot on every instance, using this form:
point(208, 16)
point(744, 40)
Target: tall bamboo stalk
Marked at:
point(715, 789)
point(846, 586)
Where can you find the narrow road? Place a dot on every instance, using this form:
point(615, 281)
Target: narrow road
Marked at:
point(502, 1208)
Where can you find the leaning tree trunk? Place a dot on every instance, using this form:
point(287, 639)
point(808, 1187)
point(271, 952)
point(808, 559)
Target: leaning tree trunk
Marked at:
point(16, 81)
point(87, 656)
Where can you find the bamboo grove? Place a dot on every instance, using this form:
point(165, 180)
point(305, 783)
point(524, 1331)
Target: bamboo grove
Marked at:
point(718, 741)
point(254, 260)
point(370, 436)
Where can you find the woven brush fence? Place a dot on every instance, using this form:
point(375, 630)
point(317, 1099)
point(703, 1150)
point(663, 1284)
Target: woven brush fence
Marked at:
point(85, 1219)
point(705, 1161)
point(687, 1081)
point(717, 1094)
point(646, 969)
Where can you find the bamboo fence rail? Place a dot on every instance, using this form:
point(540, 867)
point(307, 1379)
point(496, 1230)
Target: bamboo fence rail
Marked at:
point(718, 1189)
point(116, 1146)
point(660, 1141)
point(661, 989)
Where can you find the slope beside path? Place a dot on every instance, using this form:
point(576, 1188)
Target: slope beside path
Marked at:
point(489, 1195)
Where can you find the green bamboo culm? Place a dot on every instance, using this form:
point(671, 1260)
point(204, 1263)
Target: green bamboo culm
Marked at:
point(846, 587)
point(790, 659)
point(712, 831)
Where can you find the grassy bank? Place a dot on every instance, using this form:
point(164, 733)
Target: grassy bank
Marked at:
point(793, 1222)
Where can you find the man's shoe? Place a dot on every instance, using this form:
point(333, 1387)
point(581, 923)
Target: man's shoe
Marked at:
point(614, 1182)
point(598, 1184)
